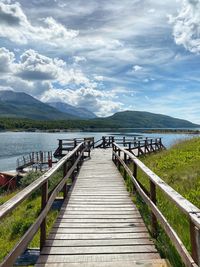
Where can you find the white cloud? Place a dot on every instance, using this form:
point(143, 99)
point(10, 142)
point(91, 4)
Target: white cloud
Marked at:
point(99, 102)
point(78, 59)
point(137, 68)
point(36, 74)
point(186, 29)
point(6, 60)
point(15, 26)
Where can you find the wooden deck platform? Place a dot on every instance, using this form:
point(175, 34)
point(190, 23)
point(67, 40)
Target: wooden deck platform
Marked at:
point(98, 224)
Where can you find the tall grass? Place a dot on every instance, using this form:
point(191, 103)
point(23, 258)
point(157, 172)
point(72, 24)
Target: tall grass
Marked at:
point(13, 227)
point(179, 167)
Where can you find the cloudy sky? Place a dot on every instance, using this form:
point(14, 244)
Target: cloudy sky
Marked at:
point(104, 55)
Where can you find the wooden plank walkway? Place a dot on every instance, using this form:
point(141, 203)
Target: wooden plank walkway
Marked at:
point(99, 225)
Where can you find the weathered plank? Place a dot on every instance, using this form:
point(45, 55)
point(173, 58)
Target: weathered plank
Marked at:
point(98, 242)
point(133, 263)
point(98, 236)
point(97, 258)
point(97, 250)
point(99, 222)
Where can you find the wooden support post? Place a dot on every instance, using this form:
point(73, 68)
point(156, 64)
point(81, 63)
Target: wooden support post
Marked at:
point(75, 142)
point(89, 149)
point(113, 156)
point(195, 242)
point(124, 140)
point(154, 223)
point(125, 161)
point(65, 185)
point(112, 139)
point(60, 147)
point(129, 146)
point(93, 142)
point(135, 170)
point(118, 162)
point(145, 146)
point(160, 142)
point(44, 200)
point(104, 141)
point(138, 148)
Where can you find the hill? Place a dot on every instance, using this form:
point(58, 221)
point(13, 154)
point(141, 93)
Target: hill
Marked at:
point(79, 112)
point(142, 119)
point(22, 105)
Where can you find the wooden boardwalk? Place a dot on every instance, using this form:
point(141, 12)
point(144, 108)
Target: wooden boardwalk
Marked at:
point(98, 224)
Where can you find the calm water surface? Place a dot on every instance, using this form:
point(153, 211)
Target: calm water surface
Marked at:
point(14, 144)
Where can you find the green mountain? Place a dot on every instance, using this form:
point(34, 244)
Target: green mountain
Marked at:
point(142, 119)
point(79, 112)
point(22, 105)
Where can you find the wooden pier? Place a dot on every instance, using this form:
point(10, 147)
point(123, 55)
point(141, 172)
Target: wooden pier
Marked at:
point(98, 224)
point(36, 160)
point(136, 145)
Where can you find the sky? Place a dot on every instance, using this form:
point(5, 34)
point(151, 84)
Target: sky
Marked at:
point(107, 56)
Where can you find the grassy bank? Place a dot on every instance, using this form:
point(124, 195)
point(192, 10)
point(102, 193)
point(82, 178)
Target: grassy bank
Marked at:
point(13, 227)
point(180, 168)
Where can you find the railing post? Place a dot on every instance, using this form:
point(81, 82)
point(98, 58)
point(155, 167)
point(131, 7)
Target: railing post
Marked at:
point(145, 146)
point(88, 144)
point(75, 142)
point(135, 170)
point(160, 142)
point(124, 140)
point(60, 147)
point(195, 242)
point(118, 162)
point(112, 139)
point(44, 200)
point(125, 161)
point(129, 146)
point(65, 185)
point(139, 147)
point(154, 223)
point(104, 141)
point(113, 147)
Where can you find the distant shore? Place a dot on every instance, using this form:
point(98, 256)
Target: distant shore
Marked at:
point(137, 130)
point(173, 131)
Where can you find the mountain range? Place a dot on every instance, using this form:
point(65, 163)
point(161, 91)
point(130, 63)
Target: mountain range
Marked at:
point(23, 106)
point(79, 112)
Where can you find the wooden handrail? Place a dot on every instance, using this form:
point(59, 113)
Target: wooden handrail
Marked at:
point(42, 182)
point(183, 204)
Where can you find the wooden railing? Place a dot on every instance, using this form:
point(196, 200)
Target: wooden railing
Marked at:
point(66, 145)
point(70, 164)
point(41, 157)
point(140, 144)
point(122, 158)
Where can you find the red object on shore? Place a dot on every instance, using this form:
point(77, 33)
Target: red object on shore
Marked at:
point(7, 180)
point(50, 163)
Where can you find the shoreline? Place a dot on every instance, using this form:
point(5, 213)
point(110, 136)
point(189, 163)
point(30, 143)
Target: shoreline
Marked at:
point(139, 130)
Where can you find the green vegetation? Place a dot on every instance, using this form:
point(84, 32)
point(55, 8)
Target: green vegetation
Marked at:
point(179, 167)
point(13, 227)
point(21, 105)
point(126, 119)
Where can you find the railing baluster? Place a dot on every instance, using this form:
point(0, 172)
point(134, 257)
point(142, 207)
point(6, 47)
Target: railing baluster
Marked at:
point(65, 185)
point(125, 161)
point(154, 223)
point(195, 242)
point(118, 162)
point(44, 200)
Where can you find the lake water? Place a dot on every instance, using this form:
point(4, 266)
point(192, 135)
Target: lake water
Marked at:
point(16, 144)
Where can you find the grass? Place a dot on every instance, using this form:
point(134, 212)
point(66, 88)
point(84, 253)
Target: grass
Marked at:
point(179, 167)
point(13, 226)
